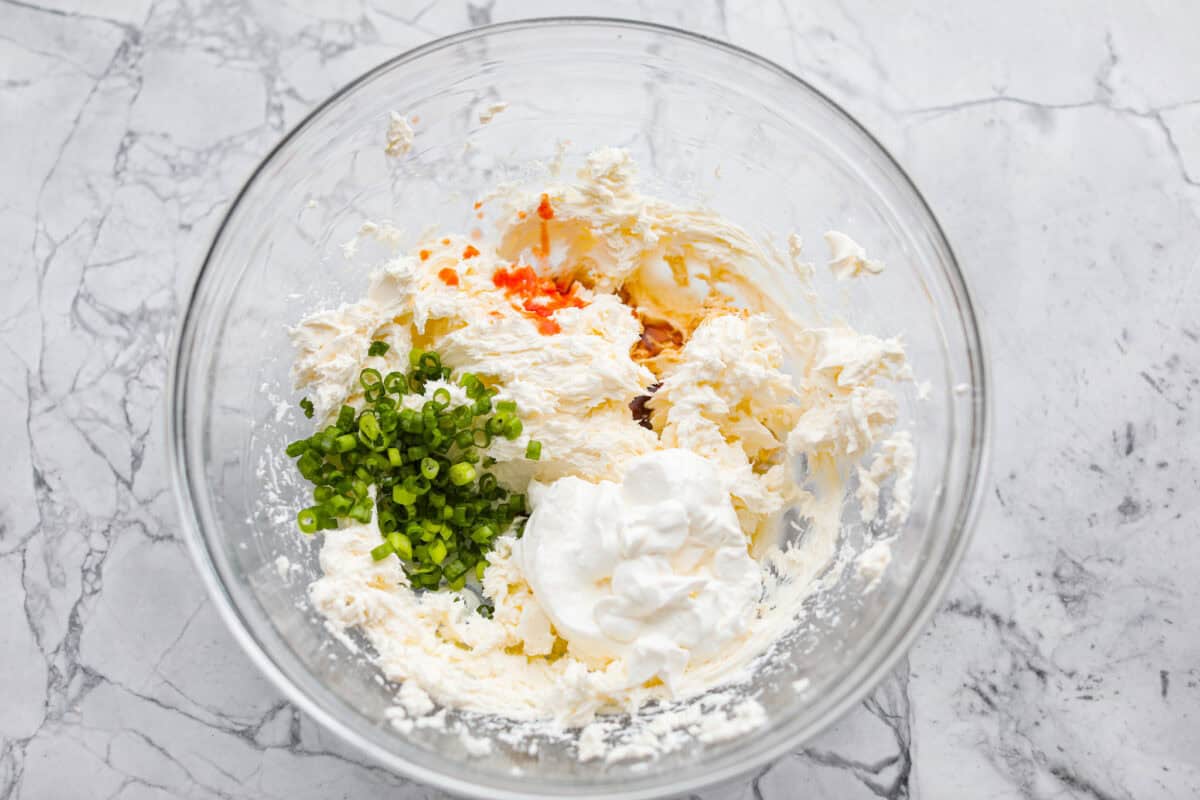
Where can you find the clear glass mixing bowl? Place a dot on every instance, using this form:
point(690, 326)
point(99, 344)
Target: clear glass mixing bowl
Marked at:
point(707, 123)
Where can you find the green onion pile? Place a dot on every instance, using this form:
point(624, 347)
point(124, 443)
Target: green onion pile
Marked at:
point(439, 511)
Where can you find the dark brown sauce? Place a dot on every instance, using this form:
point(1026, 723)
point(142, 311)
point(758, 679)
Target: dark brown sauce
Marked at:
point(641, 413)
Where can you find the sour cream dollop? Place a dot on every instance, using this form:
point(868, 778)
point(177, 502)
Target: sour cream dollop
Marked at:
point(653, 571)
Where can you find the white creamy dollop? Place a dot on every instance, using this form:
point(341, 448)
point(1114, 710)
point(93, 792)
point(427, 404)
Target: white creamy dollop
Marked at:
point(848, 258)
point(399, 135)
point(653, 570)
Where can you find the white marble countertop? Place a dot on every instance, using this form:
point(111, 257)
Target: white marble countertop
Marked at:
point(1058, 143)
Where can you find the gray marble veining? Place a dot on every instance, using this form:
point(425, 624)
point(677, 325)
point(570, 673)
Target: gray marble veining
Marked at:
point(1058, 143)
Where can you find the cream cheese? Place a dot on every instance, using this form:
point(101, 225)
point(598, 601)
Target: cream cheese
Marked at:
point(728, 399)
point(848, 258)
point(399, 135)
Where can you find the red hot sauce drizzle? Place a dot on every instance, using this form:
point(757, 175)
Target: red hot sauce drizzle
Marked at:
point(537, 296)
point(546, 212)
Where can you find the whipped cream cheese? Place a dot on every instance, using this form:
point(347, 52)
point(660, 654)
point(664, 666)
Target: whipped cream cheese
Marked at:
point(848, 258)
point(653, 570)
point(651, 566)
point(728, 399)
point(399, 135)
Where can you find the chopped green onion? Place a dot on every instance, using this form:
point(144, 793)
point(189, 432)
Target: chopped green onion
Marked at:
point(417, 485)
point(463, 416)
point(368, 428)
point(370, 377)
point(437, 551)
point(309, 465)
point(388, 418)
point(395, 383)
point(307, 520)
point(402, 545)
point(461, 474)
point(435, 509)
point(471, 383)
point(516, 504)
point(324, 441)
point(430, 364)
point(361, 511)
point(454, 569)
point(533, 450)
point(307, 405)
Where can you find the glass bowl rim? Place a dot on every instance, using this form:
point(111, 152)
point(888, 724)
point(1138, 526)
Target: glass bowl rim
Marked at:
point(883, 654)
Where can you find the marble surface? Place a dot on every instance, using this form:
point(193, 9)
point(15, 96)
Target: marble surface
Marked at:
point(1058, 143)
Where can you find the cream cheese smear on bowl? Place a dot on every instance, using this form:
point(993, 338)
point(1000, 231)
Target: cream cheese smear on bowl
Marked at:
point(550, 467)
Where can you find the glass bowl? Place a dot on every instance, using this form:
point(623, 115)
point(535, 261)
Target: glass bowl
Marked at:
point(707, 124)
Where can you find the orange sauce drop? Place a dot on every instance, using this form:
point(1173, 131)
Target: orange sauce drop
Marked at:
point(537, 296)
